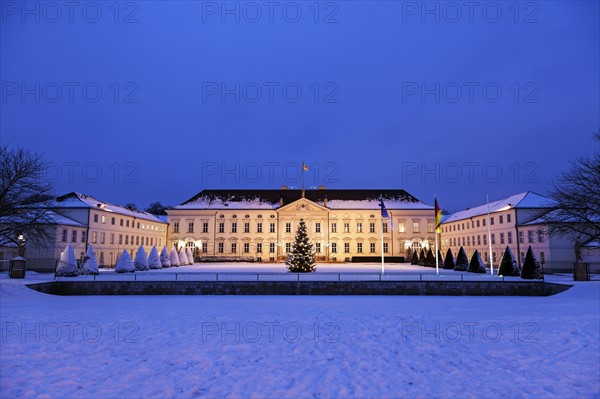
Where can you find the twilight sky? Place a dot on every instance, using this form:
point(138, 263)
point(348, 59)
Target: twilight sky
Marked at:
point(152, 100)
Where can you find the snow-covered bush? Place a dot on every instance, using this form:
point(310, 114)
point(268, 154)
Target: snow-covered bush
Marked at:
point(67, 266)
point(508, 264)
point(476, 264)
point(124, 264)
point(462, 262)
point(141, 260)
point(89, 265)
point(183, 260)
point(190, 256)
point(165, 259)
point(174, 257)
point(154, 259)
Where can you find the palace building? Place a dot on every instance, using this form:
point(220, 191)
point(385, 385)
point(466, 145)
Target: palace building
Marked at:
point(517, 222)
point(260, 225)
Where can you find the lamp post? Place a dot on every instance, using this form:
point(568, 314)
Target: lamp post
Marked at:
point(21, 246)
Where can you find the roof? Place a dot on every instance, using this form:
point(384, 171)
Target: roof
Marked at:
point(526, 200)
point(76, 200)
point(270, 199)
point(46, 217)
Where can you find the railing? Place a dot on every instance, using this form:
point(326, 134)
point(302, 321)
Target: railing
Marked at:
point(289, 277)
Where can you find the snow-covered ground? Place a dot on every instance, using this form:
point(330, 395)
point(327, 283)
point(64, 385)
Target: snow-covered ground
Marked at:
point(298, 346)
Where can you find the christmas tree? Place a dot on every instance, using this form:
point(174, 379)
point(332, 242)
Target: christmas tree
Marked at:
point(531, 267)
point(302, 258)
point(462, 262)
point(508, 264)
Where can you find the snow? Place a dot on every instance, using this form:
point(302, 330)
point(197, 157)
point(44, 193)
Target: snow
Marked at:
point(124, 264)
point(90, 264)
point(218, 203)
point(154, 259)
point(141, 260)
point(523, 200)
point(173, 257)
point(373, 204)
point(189, 255)
point(165, 260)
point(67, 265)
point(183, 260)
point(298, 346)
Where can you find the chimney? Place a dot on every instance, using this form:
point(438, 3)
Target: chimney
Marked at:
point(321, 187)
point(284, 187)
point(280, 201)
point(325, 201)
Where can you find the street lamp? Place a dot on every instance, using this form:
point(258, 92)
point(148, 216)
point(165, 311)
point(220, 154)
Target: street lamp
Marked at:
point(21, 247)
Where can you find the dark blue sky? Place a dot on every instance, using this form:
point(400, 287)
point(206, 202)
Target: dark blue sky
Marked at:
point(443, 100)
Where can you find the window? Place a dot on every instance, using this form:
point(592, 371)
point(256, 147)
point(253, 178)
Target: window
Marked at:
point(103, 219)
point(74, 236)
point(234, 227)
point(521, 240)
point(288, 247)
point(463, 241)
point(112, 221)
point(540, 236)
point(318, 248)
point(221, 227)
point(112, 238)
point(259, 227)
point(430, 227)
point(147, 241)
point(126, 239)
point(288, 227)
point(542, 258)
point(494, 256)
point(175, 226)
point(220, 247)
point(478, 240)
point(522, 257)
point(485, 239)
point(509, 236)
point(121, 222)
point(485, 256)
point(371, 227)
point(334, 227)
point(483, 222)
point(492, 221)
point(501, 238)
point(384, 226)
point(469, 241)
point(508, 218)
point(246, 227)
point(259, 247)
point(190, 227)
point(94, 237)
point(463, 226)
point(493, 239)
point(271, 227)
point(205, 227)
point(401, 227)
point(477, 223)
point(346, 227)
point(385, 247)
point(127, 224)
point(359, 227)
point(372, 247)
point(317, 227)
point(137, 240)
point(500, 219)
point(416, 227)
point(346, 247)
point(204, 247)
point(120, 239)
point(83, 237)
point(233, 247)
point(272, 247)
point(530, 236)
point(246, 247)
point(102, 237)
point(138, 224)
point(64, 235)
point(359, 247)
point(333, 248)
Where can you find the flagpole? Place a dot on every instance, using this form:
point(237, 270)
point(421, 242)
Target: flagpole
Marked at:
point(302, 168)
point(382, 267)
point(435, 231)
point(490, 235)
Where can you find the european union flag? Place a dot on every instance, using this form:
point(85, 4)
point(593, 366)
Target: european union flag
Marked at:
point(384, 212)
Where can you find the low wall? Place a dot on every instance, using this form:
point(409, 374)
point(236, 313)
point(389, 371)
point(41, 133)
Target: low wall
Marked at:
point(453, 288)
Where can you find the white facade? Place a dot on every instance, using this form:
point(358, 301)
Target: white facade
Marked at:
point(261, 224)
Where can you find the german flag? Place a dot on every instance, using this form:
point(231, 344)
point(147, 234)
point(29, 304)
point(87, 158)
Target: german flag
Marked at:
point(438, 216)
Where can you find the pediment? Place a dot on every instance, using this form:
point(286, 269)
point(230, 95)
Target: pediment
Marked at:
point(303, 206)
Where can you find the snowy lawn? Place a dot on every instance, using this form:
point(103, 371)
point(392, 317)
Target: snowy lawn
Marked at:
point(298, 346)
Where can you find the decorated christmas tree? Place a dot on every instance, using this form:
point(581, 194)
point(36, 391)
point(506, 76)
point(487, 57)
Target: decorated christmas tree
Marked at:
point(302, 258)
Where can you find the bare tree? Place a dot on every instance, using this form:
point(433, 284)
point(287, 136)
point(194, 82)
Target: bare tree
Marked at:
point(577, 197)
point(24, 195)
point(156, 208)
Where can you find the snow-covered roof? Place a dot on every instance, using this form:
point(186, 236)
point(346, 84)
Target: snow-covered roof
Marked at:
point(78, 200)
point(39, 217)
point(526, 200)
point(274, 199)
